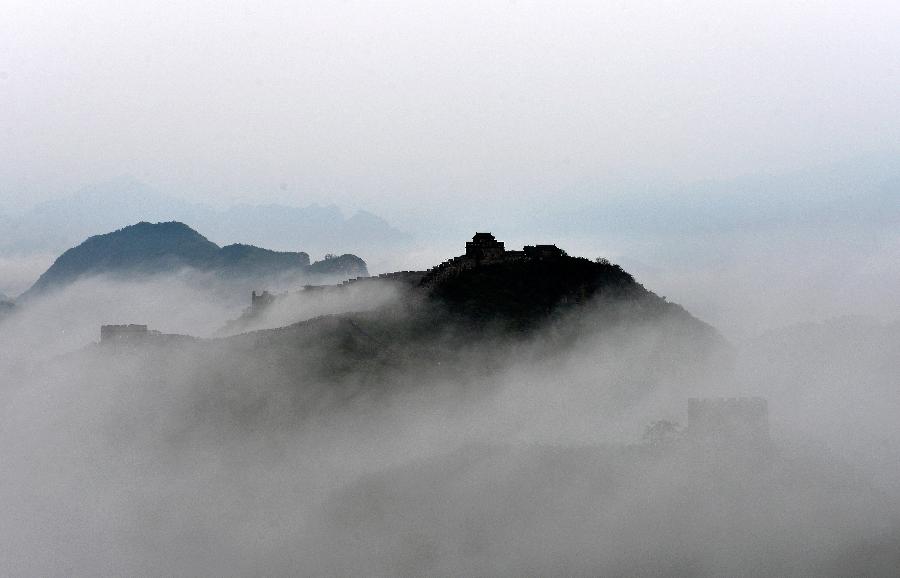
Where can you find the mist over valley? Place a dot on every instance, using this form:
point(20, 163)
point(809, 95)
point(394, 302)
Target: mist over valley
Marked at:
point(503, 412)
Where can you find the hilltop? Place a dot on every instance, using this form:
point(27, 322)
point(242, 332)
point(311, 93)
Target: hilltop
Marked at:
point(153, 248)
point(461, 321)
point(506, 288)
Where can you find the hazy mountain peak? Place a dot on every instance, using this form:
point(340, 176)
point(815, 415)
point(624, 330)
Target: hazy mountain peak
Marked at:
point(53, 226)
point(166, 247)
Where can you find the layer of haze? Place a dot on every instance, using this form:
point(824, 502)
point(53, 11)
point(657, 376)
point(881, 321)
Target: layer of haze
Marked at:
point(410, 107)
point(224, 457)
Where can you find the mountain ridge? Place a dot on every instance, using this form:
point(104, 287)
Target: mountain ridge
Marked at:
point(53, 225)
point(165, 247)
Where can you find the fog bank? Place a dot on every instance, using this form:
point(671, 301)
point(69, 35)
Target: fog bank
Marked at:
point(228, 457)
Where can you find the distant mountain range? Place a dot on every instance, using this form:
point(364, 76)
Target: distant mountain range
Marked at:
point(148, 249)
point(53, 226)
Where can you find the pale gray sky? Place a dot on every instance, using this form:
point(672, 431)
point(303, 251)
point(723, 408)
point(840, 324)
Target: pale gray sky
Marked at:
point(408, 106)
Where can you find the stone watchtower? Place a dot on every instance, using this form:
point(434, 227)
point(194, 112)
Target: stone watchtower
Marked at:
point(261, 300)
point(484, 247)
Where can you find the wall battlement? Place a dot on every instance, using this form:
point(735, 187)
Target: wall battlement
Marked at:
point(408, 277)
point(112, 333)
point(132, 335)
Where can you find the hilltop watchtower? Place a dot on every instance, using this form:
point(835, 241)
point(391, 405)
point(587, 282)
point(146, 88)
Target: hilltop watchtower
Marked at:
point(484, 246)
point(261, 300)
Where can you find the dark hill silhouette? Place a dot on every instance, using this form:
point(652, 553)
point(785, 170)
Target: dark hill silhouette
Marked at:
point(465, 316)
point(154, 248)
point(243, 260)
point(346, 265)
point(507, 294)
point(525, 291)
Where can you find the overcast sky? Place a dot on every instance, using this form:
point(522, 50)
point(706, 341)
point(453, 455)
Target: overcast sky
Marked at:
point(589, 124)
point(411, 105)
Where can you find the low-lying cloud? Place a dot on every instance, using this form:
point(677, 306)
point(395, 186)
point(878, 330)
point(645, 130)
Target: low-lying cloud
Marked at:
point(226, 457)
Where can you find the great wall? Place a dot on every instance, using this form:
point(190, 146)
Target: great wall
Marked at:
point(736, 420)
point(484, 249)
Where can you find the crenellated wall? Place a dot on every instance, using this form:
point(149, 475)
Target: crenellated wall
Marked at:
point(111, 333)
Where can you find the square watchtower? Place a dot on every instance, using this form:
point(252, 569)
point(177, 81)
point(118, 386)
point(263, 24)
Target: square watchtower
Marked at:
point(484, 246)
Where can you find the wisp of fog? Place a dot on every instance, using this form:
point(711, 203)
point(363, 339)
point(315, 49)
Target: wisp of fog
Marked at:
point(222, 456)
